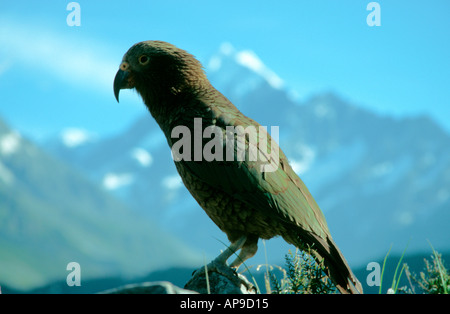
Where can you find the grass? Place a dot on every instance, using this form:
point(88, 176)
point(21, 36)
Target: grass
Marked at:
point(435, 279)
point(396, 280)
point(302, 275)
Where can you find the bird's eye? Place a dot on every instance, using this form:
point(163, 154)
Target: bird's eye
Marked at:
point(143, 59)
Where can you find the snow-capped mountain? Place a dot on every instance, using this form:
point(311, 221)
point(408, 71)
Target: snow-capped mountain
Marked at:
point(379, 180)
point(228, 64)
point(244, 79)
point(51, 215)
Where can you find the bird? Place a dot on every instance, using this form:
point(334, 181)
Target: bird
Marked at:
point(245, 199)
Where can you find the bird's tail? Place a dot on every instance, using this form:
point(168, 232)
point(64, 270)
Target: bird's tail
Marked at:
point(336, 266)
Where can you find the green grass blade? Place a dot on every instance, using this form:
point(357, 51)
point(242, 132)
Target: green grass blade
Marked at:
point(440, 268)
point(399, 276)
point(396, 280)
point(382, 270)
point(208, 288)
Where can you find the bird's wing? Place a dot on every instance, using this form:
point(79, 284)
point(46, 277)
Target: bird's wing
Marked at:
point(281, 194)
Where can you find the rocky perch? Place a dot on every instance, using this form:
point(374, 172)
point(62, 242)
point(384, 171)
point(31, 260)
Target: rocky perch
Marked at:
point(219, 279)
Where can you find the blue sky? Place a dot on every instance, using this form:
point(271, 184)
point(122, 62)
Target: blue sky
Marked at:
point(54, 76)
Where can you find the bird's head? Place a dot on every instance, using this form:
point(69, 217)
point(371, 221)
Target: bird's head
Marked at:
point(158, 68)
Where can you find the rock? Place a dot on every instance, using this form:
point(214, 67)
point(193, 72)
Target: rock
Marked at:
point(221, 280)
point(157, 287)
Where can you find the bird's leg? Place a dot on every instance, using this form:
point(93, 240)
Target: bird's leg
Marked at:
point(233, 248)
point(248, 250)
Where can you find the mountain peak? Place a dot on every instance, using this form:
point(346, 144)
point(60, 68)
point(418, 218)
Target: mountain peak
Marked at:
point(248, 59)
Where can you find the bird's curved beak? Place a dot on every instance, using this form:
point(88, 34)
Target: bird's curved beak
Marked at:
point(122, 79)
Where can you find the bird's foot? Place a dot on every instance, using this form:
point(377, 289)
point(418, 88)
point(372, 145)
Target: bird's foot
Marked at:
point(232, 249)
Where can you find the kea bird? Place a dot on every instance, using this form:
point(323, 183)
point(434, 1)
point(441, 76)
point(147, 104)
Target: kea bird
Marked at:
point(245, 200)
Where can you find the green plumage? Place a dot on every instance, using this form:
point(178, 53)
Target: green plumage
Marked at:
point(241, 199)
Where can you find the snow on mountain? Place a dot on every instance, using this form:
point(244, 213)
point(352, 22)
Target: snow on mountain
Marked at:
point(250, 60)
point(172, 182)
point(306, 158)
point(143, 157)
point(379, 180)
point(9, 143)
point(245, 58)
point(113, 181)
point(229, 64)
point(72, 137)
